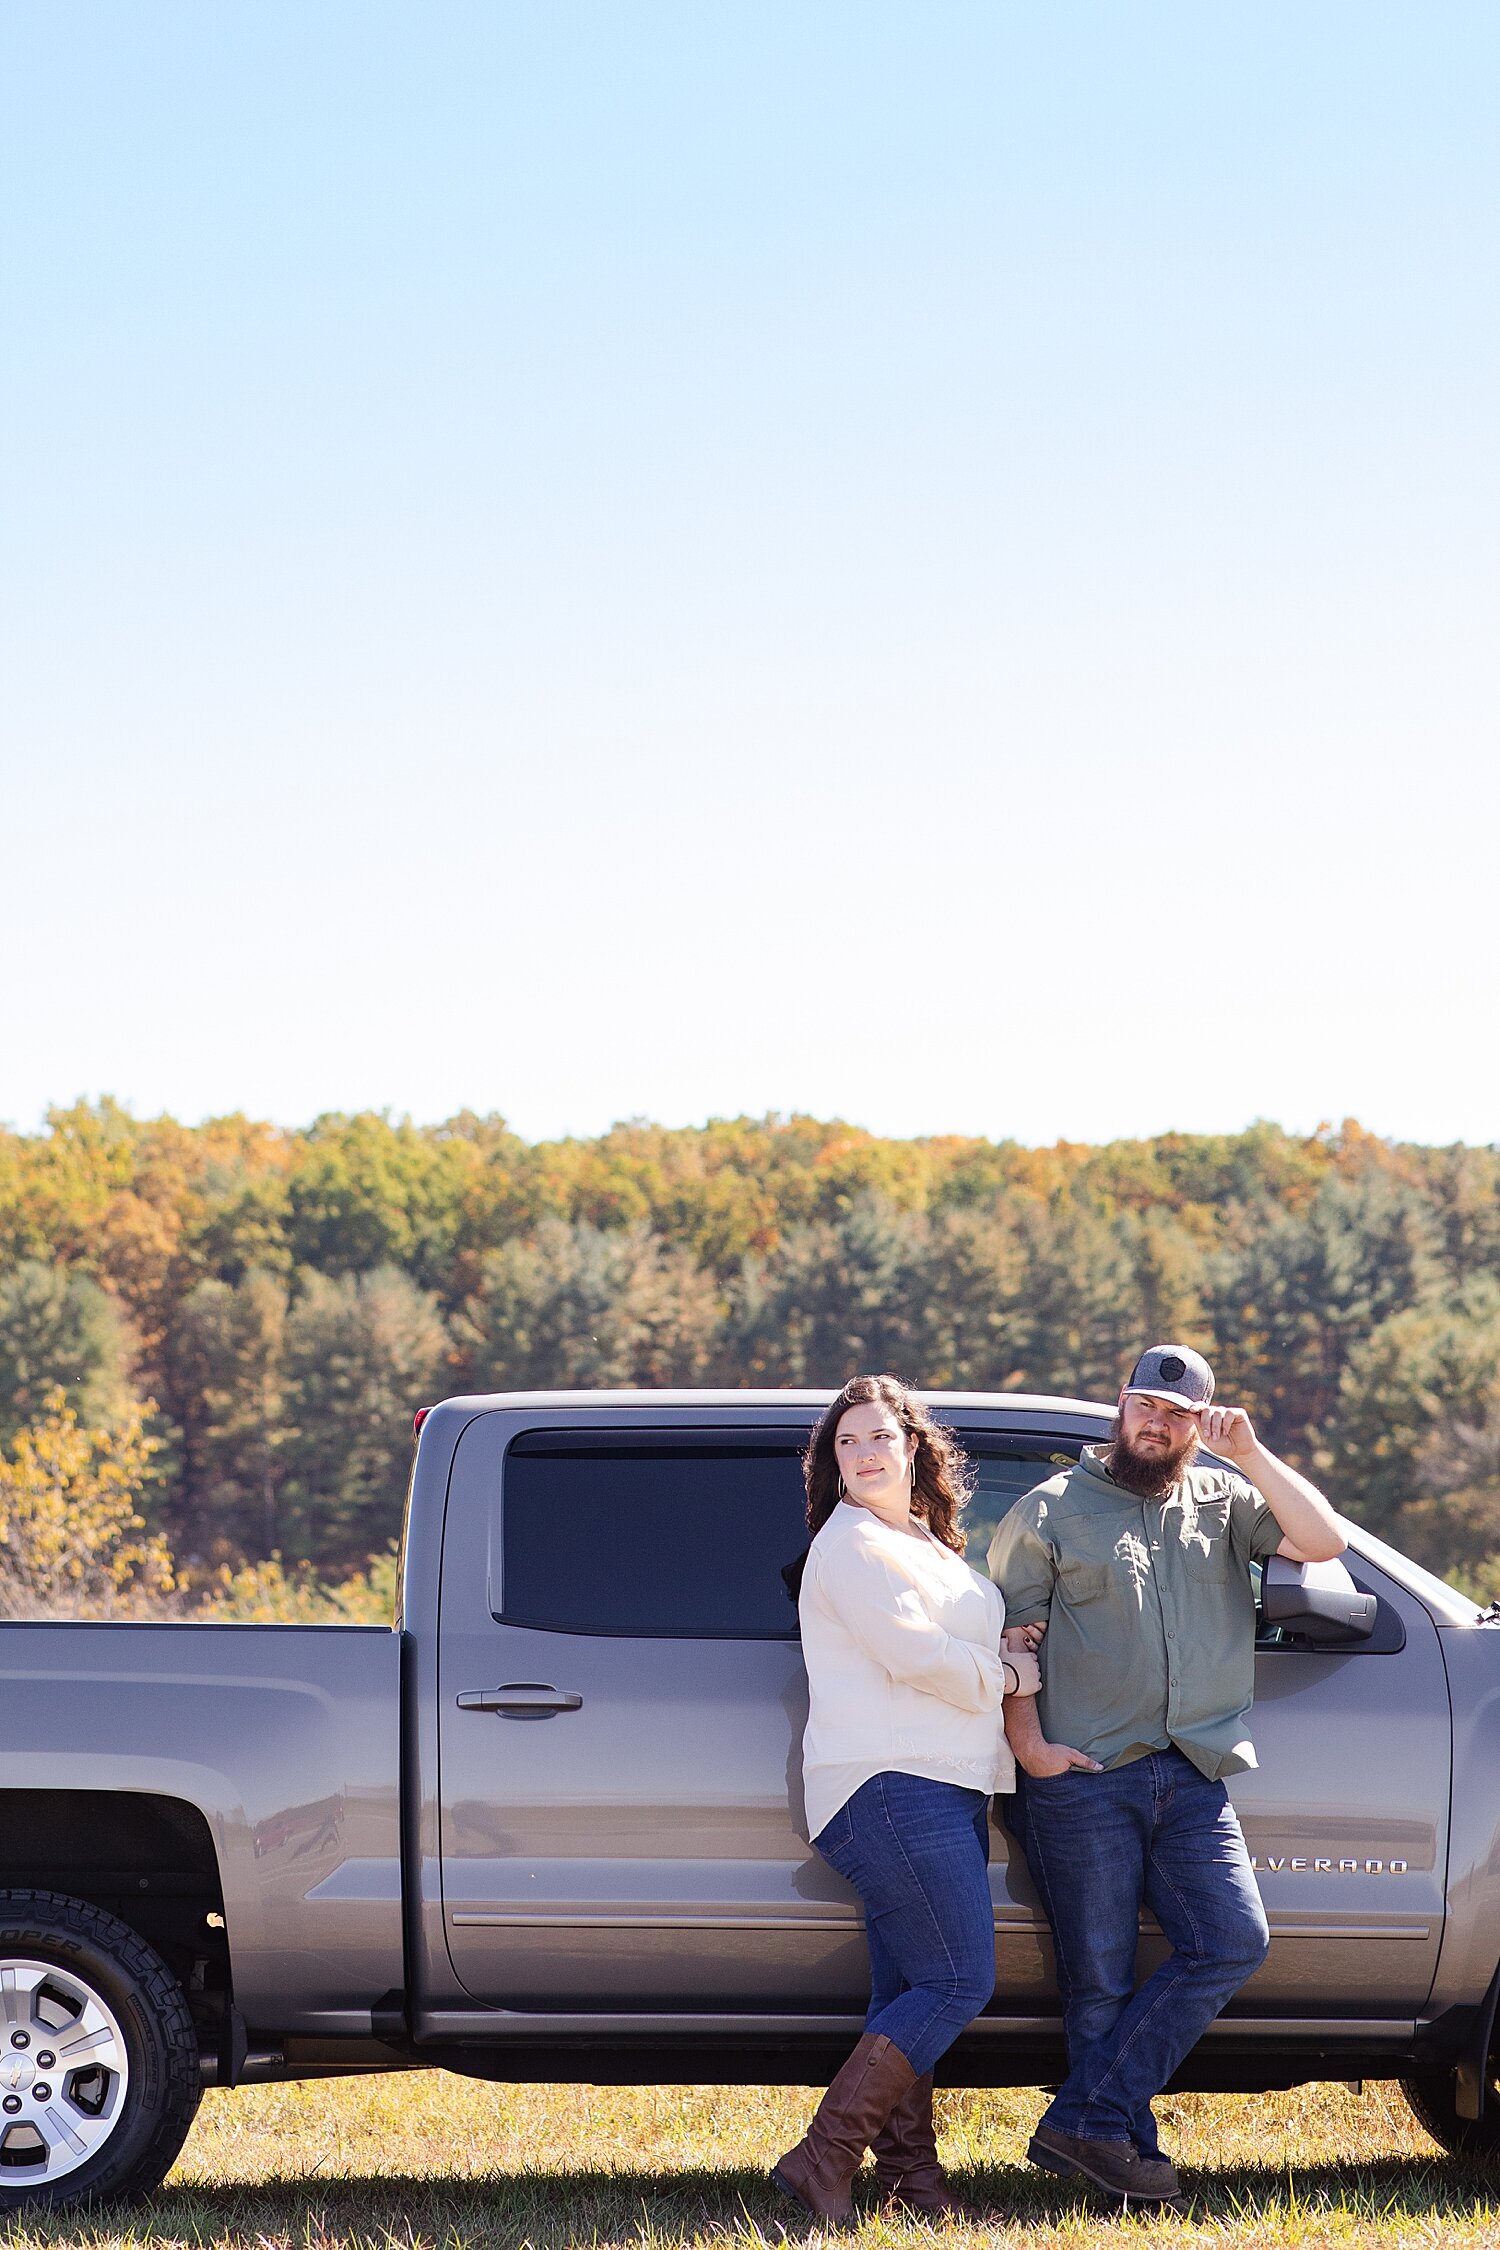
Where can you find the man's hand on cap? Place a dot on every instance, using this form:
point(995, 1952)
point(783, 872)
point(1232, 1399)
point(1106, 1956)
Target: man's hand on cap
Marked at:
point(1228, 1431)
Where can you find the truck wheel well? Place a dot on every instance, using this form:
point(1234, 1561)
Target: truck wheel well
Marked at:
point(148, 1859)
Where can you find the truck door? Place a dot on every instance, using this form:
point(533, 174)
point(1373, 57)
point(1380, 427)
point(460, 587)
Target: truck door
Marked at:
point(621, 1710)
point(1346, 1816)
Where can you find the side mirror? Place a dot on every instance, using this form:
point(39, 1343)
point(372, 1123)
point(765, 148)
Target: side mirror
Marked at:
point(1318, 1601)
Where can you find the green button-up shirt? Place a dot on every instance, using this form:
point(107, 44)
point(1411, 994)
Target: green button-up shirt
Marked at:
point(1149, 1611)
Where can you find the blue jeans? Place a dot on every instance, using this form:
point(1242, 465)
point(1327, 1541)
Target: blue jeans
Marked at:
point(918, 1854)
point(1099, 1846)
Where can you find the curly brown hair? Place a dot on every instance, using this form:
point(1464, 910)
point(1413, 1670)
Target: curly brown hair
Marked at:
point(940, 1486)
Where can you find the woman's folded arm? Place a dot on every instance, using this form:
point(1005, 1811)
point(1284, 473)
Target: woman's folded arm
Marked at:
point(885, 1614)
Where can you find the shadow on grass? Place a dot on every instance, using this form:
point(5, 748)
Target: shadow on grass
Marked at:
point(552, 2210)
point(1395, 2187)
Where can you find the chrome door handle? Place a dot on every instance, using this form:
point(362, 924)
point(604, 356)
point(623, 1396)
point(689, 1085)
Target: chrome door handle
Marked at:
point(521, 1699)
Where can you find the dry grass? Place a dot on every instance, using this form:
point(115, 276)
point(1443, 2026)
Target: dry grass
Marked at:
point(428, 2160)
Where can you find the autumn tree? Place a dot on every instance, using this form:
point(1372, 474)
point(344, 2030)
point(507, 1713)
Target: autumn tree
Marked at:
point(283, 1293)
point(73, 1541)
point(363, 1351)
point(1080, 1317)
point(274, 1592)
point(58, 1330)
point(833, 1299)
point(588, 1306)
point(1302, 1289)
point(370, 1194)
point(228, 1377)
point(1415, 1448)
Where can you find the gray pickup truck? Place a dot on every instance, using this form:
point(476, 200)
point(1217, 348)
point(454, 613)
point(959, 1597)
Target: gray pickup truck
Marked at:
point(551, 1825)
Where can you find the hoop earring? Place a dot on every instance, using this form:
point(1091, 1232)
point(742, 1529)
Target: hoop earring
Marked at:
point(843, 1489)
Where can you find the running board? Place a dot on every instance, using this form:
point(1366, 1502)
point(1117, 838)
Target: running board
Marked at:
point(444, 2026)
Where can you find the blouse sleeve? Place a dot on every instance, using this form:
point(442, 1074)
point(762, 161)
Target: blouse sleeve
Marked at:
point(885, 1613)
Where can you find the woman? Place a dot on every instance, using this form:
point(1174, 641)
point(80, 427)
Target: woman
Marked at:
point(905, 1744)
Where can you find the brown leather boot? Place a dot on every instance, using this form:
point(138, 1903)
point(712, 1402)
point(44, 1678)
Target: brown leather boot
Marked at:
point(820, 2170)
point(908, 2175)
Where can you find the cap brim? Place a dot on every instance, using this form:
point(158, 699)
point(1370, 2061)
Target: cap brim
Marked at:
point(1171, 1398)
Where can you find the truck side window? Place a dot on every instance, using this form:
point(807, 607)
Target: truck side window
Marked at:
point(1004, 1471)
point(662, 1534)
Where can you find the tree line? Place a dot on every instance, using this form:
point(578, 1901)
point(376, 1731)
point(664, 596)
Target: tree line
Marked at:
point(265, 1308)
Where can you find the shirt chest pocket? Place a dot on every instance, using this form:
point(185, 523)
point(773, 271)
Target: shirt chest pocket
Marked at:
point(1211, 1564)
point(1079, 1582)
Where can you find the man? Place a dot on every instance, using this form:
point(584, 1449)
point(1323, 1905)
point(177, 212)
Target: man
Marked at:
point(1136, 1565)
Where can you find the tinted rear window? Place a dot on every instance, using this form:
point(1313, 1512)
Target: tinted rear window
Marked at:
point(672, 1534)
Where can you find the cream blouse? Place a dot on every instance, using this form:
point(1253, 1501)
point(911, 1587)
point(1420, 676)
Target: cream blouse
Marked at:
point(902, 1645)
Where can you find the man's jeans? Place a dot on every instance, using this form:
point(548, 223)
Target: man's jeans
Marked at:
point(917, 1852)
point(1098, 1845)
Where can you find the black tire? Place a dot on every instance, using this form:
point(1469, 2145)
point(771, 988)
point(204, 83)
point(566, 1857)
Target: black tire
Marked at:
point(108, 2127)
point(1430, 2097)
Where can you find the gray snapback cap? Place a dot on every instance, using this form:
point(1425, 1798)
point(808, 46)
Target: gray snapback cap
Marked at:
point(1174, 1372)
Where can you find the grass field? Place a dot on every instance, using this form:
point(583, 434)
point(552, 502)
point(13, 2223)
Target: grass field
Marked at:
point(426, 2159)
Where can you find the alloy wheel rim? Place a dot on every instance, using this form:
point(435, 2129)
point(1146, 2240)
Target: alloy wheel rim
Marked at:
point(64, 2072)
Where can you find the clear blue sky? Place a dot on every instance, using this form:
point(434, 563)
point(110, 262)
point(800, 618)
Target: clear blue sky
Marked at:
point(936, 563)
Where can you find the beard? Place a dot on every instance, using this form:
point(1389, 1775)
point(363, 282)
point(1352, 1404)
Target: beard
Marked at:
point(1147, 1475)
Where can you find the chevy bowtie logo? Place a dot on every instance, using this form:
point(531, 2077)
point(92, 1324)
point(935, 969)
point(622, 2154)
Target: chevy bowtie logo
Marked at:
point(1288, 1865)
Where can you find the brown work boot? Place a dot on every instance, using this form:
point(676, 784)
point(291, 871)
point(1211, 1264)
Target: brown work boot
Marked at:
point(820, 2170)
point(1116, 2166)
point(908, 2175)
